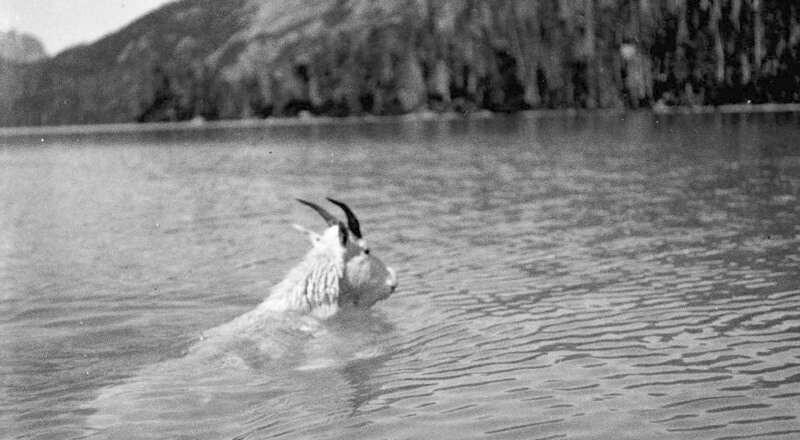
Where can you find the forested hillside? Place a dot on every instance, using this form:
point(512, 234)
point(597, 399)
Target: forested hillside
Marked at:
point(260, 58)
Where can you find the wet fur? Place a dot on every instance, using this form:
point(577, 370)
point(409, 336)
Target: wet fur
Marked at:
point(311, 286)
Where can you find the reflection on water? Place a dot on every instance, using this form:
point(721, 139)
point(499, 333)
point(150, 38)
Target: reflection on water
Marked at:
point(585, 277)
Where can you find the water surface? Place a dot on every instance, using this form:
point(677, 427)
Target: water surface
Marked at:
point(597, 276)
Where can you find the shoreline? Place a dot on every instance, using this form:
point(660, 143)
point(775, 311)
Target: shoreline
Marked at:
point(423, 116)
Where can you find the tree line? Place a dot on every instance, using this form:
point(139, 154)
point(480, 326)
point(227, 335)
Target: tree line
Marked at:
point(498, 55)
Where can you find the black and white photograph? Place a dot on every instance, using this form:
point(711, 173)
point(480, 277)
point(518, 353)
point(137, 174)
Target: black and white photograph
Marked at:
point(400, 219)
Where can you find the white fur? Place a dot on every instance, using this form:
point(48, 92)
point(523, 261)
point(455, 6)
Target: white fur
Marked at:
point(331, 276)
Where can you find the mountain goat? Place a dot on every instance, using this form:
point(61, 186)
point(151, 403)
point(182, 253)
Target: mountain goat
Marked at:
point(338, 271)
point(286, 329)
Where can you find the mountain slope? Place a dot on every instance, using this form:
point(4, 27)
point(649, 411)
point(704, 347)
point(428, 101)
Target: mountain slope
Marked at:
point(110, 80)
point(258, 58)
point(244, 58)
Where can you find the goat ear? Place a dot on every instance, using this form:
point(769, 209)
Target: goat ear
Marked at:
point(312, 236)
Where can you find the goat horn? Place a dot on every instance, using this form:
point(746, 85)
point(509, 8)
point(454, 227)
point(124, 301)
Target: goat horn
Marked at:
point(352, 221)
point(331, 220)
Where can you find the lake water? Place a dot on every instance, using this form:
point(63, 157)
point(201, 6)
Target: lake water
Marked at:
point(596, 276)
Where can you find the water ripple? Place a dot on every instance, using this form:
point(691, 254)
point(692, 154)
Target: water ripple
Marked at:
point(591, 277)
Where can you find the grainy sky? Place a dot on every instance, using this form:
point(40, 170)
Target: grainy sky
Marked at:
point(63, 23)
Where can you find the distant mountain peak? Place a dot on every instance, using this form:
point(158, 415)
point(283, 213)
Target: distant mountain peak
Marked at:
point(20, 47)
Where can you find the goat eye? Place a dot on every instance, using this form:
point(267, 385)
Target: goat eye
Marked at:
point(366, 251)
